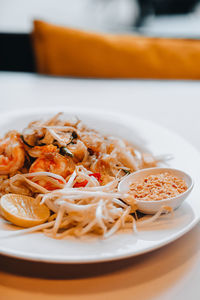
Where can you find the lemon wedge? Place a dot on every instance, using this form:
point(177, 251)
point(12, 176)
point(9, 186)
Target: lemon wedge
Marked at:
point(23, 211)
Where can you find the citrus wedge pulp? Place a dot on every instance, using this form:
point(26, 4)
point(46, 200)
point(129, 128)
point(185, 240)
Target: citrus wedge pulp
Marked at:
point(23, 211)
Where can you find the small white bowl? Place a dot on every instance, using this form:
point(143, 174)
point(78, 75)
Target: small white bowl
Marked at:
point(151, 207)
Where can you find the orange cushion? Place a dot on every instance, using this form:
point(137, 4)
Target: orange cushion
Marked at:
point(70, 52)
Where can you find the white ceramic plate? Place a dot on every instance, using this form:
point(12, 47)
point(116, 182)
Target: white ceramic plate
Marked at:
point(142, 133)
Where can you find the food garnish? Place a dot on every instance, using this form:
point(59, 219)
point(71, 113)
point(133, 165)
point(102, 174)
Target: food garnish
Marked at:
point(64, 151)
point(158, 187)
point(23, 211)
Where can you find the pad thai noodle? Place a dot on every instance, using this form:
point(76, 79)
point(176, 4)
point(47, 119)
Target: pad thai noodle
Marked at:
point(75, 171)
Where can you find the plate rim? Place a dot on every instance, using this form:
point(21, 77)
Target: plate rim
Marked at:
point(38, 258)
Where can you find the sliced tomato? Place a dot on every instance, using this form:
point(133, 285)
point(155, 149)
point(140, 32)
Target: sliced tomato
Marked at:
point(80, 184)
point(97, 176)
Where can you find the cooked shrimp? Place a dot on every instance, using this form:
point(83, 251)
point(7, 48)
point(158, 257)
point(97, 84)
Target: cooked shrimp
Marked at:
point(12, 154)
point(54, 163)
point(37, 151)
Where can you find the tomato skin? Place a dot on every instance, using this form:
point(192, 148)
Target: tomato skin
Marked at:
point(97, 176)
point(84, 182)
point(80, 184)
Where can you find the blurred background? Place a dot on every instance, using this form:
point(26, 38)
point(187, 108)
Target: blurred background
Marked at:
point(162, 18)
point(149, 17)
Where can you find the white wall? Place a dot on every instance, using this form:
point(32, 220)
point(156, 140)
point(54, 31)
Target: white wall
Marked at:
point(17, 15)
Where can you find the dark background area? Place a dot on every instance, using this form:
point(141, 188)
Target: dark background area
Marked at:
point(164, 7)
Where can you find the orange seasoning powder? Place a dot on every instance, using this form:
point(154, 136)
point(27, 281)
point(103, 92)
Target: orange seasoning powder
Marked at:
point(158, 187)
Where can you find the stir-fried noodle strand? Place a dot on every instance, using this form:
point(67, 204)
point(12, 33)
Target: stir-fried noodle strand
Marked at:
point(75, 172)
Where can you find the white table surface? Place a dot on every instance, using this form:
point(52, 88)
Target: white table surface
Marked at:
point(169, 273)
